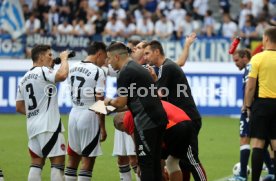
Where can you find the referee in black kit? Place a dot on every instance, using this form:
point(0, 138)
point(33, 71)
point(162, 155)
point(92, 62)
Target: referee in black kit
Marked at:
point(261, 86)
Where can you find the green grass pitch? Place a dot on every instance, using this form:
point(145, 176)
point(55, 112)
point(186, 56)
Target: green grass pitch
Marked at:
point(218, 148)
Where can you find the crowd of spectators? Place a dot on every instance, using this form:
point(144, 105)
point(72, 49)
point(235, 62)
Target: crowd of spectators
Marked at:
point(161, 19)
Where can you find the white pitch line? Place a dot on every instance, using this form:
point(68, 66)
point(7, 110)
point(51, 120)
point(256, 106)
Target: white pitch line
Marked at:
point(224, 178)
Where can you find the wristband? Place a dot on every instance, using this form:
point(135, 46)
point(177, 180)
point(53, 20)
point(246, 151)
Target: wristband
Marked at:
point(248, 107)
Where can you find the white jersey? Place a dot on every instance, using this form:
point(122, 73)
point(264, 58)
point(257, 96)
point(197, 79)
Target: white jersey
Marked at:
point(38, 90)
point(85, 79)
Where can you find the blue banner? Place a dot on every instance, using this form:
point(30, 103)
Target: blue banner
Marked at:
point(214, 94)
point(11, 48)
point(202, 50)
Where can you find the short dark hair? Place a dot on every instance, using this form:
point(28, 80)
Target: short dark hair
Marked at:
point(244, 53)
point(94, 47)
point(271, 34)
point(37, 50)
point(115, 46)
point(155, 45)
point(134, 42)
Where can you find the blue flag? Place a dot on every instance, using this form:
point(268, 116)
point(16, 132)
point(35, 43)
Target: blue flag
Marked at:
point(11, 18)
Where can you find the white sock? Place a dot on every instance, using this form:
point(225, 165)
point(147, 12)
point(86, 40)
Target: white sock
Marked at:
point(70, 174)
point(137, 177)
point(125, 173)
point(85, 175)
point(34, 173)
point(57, 174)
point(1, 175)
point(134, 168)
point(70, 178)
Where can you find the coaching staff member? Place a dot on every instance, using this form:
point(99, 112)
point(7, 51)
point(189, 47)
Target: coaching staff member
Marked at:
point(150, 118)
point(173, 78)
point(262, 84)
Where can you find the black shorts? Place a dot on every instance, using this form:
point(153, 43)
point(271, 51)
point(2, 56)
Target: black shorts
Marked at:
point(263, 119)
point(177, 140)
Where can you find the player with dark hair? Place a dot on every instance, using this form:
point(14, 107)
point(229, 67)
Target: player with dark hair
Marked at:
point(37, 99)
point(86, 128)
point(177, 136)
point(260, 101)
point(149, 116)
point(179, 93)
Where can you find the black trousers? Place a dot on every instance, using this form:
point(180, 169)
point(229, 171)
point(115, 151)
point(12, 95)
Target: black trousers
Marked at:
point(148, 149)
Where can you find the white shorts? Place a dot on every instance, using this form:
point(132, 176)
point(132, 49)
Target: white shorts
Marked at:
point(123, 144)
point(41, 145)
point(84, 133)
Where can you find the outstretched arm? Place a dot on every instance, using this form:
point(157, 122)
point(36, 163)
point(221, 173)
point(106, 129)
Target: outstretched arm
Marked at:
point(185, 53)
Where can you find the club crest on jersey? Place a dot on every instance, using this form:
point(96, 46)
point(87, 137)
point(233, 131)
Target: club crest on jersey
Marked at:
point(62, 146)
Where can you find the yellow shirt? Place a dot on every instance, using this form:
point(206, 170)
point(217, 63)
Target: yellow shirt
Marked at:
point(263, 67)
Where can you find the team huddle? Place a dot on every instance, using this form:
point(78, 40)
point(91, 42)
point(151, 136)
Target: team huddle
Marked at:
point(157, 132)
point(157, 126)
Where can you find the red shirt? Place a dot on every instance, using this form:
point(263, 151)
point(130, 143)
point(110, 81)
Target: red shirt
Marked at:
point(174, 114)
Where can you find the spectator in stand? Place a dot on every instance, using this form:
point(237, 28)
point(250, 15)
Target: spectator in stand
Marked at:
point(229, 27)
point(209, 24)
point(130, 27)
point(200, 8)
point(41, 8)
point(261, 26)
point(246, 7)
point(66, 10)
point(164, 6)
point(99, 23)
point(83, 28)
point(247, 33)
point(32, 25)
point(224, 6)
point(145, 26)
point(257, 7)
point(54, 15)
point(65, 28)
point(114, 27)
point(82, 10)
point(26, 11)
point(46, 25)
point(163, 28)
point(186, 26)
point(188, 6)
point(139, 11)
point(176, 13)
point(116, 9)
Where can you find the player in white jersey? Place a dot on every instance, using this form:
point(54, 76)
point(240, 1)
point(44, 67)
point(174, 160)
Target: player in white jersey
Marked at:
point(37, 99)
point(86, 128)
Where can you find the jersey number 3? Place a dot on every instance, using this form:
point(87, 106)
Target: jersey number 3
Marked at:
point(30, 90)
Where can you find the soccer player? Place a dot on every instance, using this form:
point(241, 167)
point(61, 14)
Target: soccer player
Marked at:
point(177, 136)
point(37, 99)
point(124, 147)
point(86, 128)
point(173, 87)
point(260, 101)
point(136, 90)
